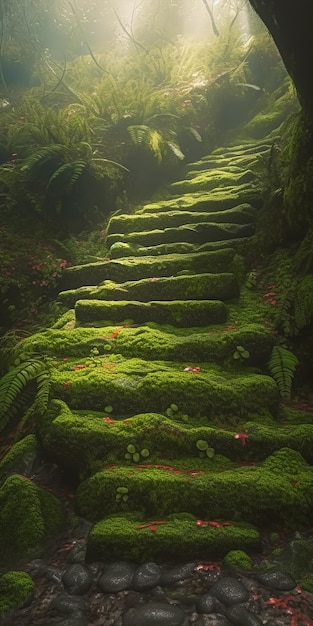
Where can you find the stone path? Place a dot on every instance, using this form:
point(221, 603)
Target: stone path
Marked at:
point(165, 419)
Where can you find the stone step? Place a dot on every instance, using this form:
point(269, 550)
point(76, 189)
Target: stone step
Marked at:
point(255, 147)
point(139, 386)
point(134, 268)
point(218, 200)
point(120, 250)
point(178, 536)
point(180, 313)
point(261, 494)
point(242, 214)
point(77, 439)
point(211, 180)
point(222, 286)
point(231, 163)
point(215, 345)
point(188, 233)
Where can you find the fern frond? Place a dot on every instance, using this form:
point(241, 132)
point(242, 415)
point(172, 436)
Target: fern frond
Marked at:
point(35, 162)
point(282, 365)
point(303, 259)
point(304, 302)
point(14, 382)
point(64, 178)
point(176, 150)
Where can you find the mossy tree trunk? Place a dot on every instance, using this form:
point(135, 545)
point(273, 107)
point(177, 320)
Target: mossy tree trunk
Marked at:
point(290, 24)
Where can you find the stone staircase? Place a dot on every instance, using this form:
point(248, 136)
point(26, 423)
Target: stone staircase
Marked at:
point(161, 408)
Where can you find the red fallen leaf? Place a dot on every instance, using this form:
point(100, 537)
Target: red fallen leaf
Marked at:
point(208, 567)
point(65, 359)
point(65, 547)
point(273, 302)
point(294, 484)
point(242, 437)
point(282, 602)
point(153, 280)
point(108, 420)
point(79, 367)
point(67, 384)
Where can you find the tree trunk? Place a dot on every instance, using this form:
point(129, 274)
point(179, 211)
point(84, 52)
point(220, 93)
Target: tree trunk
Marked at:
point(290, 24)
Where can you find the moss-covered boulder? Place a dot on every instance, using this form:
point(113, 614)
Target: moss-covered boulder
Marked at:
point(20, 458)
point(238, 559)
point(16, 591)
point(29, 516)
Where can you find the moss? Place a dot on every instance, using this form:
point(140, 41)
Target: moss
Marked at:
point(209, 180)
point(28, 518)
point(135, 386)
point(16, 591)
point(190, 233)
point(238, 559)
point(121, 538)
point(222, 286)
point(306, 584)
point(125, 224)
point(135, 268)
point(177, 312)
point(20, 458)
point(254, 494)
point(208, 344)
point(66, 321)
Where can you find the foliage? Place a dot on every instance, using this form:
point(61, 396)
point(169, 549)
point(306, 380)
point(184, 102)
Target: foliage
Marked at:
point(282, 365)
point(24, 382)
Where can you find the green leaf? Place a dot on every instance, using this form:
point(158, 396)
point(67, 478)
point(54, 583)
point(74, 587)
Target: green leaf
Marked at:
point(169, 412)
point(145, 453)
point(108, 409)
point(136, 457)
point(174, 407)
point(131, 448)
point(282, 366)
point(210, 452)
point(122, 490)
point(201, 444)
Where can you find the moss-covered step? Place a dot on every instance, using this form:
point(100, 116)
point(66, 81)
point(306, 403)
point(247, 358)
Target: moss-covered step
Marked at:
point(210, 180)
point(134, 268)
point(216, 344)
point(223, 286)
point(220, 162)
point(218, 200)
point(180, 313)
point(134, 385)
point(29, 517)
point(179, 536)
point(277, 491)
point(82, 441)
point(190, 233)
point(120, 249)
point(243, 149)
point(242, 214)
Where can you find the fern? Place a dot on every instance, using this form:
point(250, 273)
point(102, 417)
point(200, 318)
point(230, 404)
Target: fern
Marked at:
point(282, 365)
point(142, 134)
point(64, 178)
point(15, 389)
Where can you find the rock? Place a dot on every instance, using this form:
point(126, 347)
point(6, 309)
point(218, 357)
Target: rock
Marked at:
point(66, 604)
point(77, 579)
point(172, 576)
point(275, 579)
point(154, 614)
point(116, 577)
point(146, 577)
point(55, 574)
point(215, 619)
point(229, 591)
point(77, 619)
point(206, 603)
point(240, 616)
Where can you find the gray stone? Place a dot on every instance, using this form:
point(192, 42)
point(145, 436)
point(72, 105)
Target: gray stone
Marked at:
point(154, 614)
point(146, 577)
point(77, 619)
point(66, 604)
point(55, 574)
point(240, 616)
point(116, 577)
point(214, 619)
point(172, 576)
point(206, 603)
point(229, 591)
point(77, 579)
point(275, 579)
